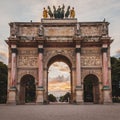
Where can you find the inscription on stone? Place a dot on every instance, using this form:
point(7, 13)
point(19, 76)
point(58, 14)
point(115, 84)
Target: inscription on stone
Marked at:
point(59, 31)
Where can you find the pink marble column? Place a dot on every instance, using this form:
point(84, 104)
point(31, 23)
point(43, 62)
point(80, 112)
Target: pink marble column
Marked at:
point(40, 68)
point(78, 67)
point(105, 67)
point(13, 67)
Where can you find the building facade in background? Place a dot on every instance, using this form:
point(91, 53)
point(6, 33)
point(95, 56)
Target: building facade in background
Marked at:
point(83, 46)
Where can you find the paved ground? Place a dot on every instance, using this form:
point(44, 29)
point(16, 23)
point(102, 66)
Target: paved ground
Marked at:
point(60, 112)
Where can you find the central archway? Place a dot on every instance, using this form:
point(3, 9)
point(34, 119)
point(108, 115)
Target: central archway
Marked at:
point(91, 89)
point(61, 83)
point(27, 89)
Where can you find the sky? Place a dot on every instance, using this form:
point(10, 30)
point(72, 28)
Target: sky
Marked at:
point(86, 10)
point(59, 82)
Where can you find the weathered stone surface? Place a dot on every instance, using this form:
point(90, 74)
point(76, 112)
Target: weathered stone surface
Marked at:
point(78, 44)
point(59, 31)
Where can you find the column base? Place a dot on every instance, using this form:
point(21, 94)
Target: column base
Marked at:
point(12, 96)
point(39, 92)
point(107, 95)
point(79, 95)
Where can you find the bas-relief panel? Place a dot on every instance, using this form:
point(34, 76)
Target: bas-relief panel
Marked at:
point(24, 61)
point(90, 60)
point(59, 31)
point(28, 31)
point(27, 58)
point(91, 57)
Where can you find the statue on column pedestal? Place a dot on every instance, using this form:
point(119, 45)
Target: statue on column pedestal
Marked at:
point(41, 30)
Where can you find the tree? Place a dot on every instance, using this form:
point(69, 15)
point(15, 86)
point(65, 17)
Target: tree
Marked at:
point(52, 98)
point(65, 98)
point(115, 70)
point(3, 82)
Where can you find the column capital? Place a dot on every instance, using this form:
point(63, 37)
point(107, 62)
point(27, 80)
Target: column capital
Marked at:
point(40, 50)
point(106, 87)
point(104, 49)
point(78, 50)
point(14, 50)
point(41, 88)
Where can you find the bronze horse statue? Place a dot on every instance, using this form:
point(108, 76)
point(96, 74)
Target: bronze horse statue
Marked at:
point(67, 12)
point(50, 12)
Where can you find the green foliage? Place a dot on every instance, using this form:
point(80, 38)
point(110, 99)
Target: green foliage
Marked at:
point(115, 70)
point(3, 82)
point(65, 98)
point(52, 98)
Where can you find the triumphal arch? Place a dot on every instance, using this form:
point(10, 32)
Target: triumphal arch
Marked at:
point(83, 46)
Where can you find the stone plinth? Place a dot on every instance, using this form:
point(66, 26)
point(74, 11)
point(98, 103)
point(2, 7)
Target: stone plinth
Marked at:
point(12, 96)
point(50, 21)
point(39, 92)
point(107, 95)
point(79, 95)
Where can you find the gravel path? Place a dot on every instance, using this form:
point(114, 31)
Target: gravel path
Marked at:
point(60, 112)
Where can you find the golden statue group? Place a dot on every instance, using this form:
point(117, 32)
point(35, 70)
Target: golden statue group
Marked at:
point(59, 13)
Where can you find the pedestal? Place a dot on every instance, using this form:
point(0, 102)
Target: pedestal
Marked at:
point(107, 95)
point(39, 92)
point(79, 95)
point(11, 96)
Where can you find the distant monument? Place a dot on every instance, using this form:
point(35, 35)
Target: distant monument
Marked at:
point(35, 46)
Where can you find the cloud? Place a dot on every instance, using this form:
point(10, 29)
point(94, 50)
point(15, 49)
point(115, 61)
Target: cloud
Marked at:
point(59, 68)
point(64, 86)
point(118, 51)
point(3, 57)
point(60, 83)
point(58, 79)
point(117, 55)
point(87, 10)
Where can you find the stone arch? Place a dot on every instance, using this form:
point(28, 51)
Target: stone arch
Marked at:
point(27, 89)
point(27, 72)
point(62, 53)
point(61, 58)
point(89, 72)
point(91, 89)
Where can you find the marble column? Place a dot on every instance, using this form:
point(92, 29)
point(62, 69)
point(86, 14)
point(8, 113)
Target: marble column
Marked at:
point(40, 67)
point(40, 88)
point(105, 68)
point(12, 84)
point(13, 67)
point(78, 68)
point(79, 90)
point(106, 83)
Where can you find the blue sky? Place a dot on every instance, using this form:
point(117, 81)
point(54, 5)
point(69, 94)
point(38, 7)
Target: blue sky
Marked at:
point(86, 10)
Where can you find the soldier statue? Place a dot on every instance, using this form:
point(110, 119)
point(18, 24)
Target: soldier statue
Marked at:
point(72, 13)
point(45, 13)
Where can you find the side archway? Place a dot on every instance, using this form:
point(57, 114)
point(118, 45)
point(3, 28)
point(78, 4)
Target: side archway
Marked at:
point(27, 89)
point(91, 89)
